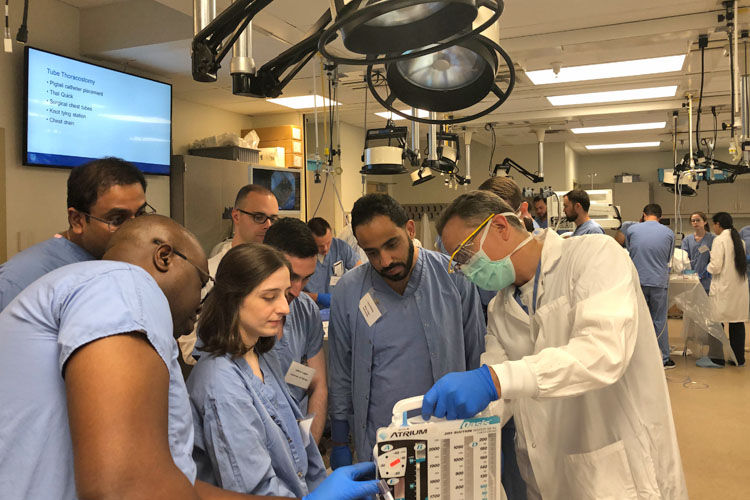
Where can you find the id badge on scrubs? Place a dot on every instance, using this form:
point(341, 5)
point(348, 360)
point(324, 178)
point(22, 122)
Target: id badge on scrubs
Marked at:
point(703, 248)
point(369, 308)
point(334, 280)
point(338, 268)
point(299, 375)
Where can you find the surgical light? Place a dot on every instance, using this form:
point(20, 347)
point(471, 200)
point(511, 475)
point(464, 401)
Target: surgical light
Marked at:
point(623, 145)
point(619, 128)
point(618, 69)
point(393, 26)
point(613, 96)
point(385, 151)
point(303, 101)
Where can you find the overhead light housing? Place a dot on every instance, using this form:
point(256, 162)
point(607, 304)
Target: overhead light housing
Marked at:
point(421, 175)
point(388, 115)
point(303, 101)
point(613, 96)
point(623, 145)
point(619, 128)
point(619, 69)
point(393, 26)
point(385, 151)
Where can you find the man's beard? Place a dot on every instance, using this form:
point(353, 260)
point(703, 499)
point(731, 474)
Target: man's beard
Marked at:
point(572, 218)
point(407, 266)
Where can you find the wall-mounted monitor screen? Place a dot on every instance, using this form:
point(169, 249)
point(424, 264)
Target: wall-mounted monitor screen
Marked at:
point(77, 112)
point(284, 183)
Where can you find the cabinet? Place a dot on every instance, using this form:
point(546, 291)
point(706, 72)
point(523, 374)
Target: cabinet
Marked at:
point(631, 198)
point(688, 204)
point(733, 198)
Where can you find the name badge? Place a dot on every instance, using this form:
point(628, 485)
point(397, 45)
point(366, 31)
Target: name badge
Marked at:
point(334, 280)
point(338, 268)
point(369, 309)
point(703, 249)
point(299, 375)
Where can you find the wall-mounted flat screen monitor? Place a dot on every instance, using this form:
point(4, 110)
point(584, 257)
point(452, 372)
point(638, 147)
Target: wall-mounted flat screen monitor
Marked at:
point(77, 112)
point(284, 183)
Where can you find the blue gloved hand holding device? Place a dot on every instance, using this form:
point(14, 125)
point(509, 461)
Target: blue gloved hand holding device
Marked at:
point(460, 395)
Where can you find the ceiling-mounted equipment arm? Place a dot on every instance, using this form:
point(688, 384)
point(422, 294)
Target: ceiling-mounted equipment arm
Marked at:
point(210, 47)
point(507, 164)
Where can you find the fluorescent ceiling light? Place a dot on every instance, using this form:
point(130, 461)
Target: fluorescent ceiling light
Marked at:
point(608, 70)
point(619, 128)
point(421, 113)
point(624, 145)
point(613, 95)
point(302, 101)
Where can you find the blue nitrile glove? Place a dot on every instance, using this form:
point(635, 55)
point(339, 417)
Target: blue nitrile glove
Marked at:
point(460, 395)
point(341, 454)
point(324, 300)
point(342, 484)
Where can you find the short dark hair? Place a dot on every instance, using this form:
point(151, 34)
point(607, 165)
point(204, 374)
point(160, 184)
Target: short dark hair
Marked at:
point(579, 196)
point(506, 188)
point(474, 207)
point(319, 226)
point(540, 198)
point(652, 209)
point(250, 188)
point(293, 237)
point(373, 204)
point(92, 179)
point(240, 272)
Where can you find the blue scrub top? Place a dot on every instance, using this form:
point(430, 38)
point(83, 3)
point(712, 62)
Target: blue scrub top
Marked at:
point(439, 317)
point(541, 222)
point(339, 251)
point(34, 262)
point(59, 313)
point(700, 256)
point(247, 438)
point(302, 339)
point(588, 227)
point(650, 246)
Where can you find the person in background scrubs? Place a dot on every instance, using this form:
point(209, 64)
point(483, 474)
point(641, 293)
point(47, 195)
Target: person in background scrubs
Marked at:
point(417, 323)
point(301, 341)
point(698, 247)
point(335, 257)
point(255, 209)
point(651, 245)
point(540, 207)
point(102, 194)
point(576, 208)
point(581, 372)
point(249, 436)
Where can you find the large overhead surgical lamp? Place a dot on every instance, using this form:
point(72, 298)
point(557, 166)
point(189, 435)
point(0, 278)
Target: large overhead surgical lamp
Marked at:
point(394, 26)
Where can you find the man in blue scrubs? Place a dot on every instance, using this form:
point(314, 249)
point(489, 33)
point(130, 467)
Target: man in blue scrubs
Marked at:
point(576, 207)
point(335, 257)
point(540, 207)
point(300, 346)
point(102, 194)
point(651, 244)
point(398, 323)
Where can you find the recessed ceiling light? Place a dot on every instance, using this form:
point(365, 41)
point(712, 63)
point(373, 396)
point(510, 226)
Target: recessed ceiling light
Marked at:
point(624, 145)
point(421, 113)
point(613, 95)
point(619, 128)
point(608, 70)
point(302, 101)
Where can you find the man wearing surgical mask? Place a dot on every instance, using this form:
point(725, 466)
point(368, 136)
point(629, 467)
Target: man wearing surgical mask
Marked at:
point(571, 351)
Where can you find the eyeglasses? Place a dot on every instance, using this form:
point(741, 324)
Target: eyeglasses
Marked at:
point(118, 220)
point(203, 274)
point(462, 254)
point(260, 217)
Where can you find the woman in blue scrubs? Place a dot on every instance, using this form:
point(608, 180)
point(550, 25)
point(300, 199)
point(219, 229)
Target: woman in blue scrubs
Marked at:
point(250, 436)
point(698, 247)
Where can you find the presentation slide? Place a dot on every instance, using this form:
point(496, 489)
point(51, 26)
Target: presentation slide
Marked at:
point(78, 112)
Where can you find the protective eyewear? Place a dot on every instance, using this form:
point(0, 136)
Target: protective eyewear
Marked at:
point(118, 220)
point(260, 217)
point(462, 254)
point(205, 277)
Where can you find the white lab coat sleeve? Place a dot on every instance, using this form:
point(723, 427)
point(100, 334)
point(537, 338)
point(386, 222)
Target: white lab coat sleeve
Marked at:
point(598, 317)
point(717, 256)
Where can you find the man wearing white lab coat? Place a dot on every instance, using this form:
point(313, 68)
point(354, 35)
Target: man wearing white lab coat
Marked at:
point(571, 352)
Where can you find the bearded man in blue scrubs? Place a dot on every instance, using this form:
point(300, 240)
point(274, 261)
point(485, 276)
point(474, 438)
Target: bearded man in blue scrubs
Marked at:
point(398, 323)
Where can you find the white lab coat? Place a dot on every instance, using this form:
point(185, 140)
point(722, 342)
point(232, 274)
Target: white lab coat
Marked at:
point(586, 384)
point(728, 295)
